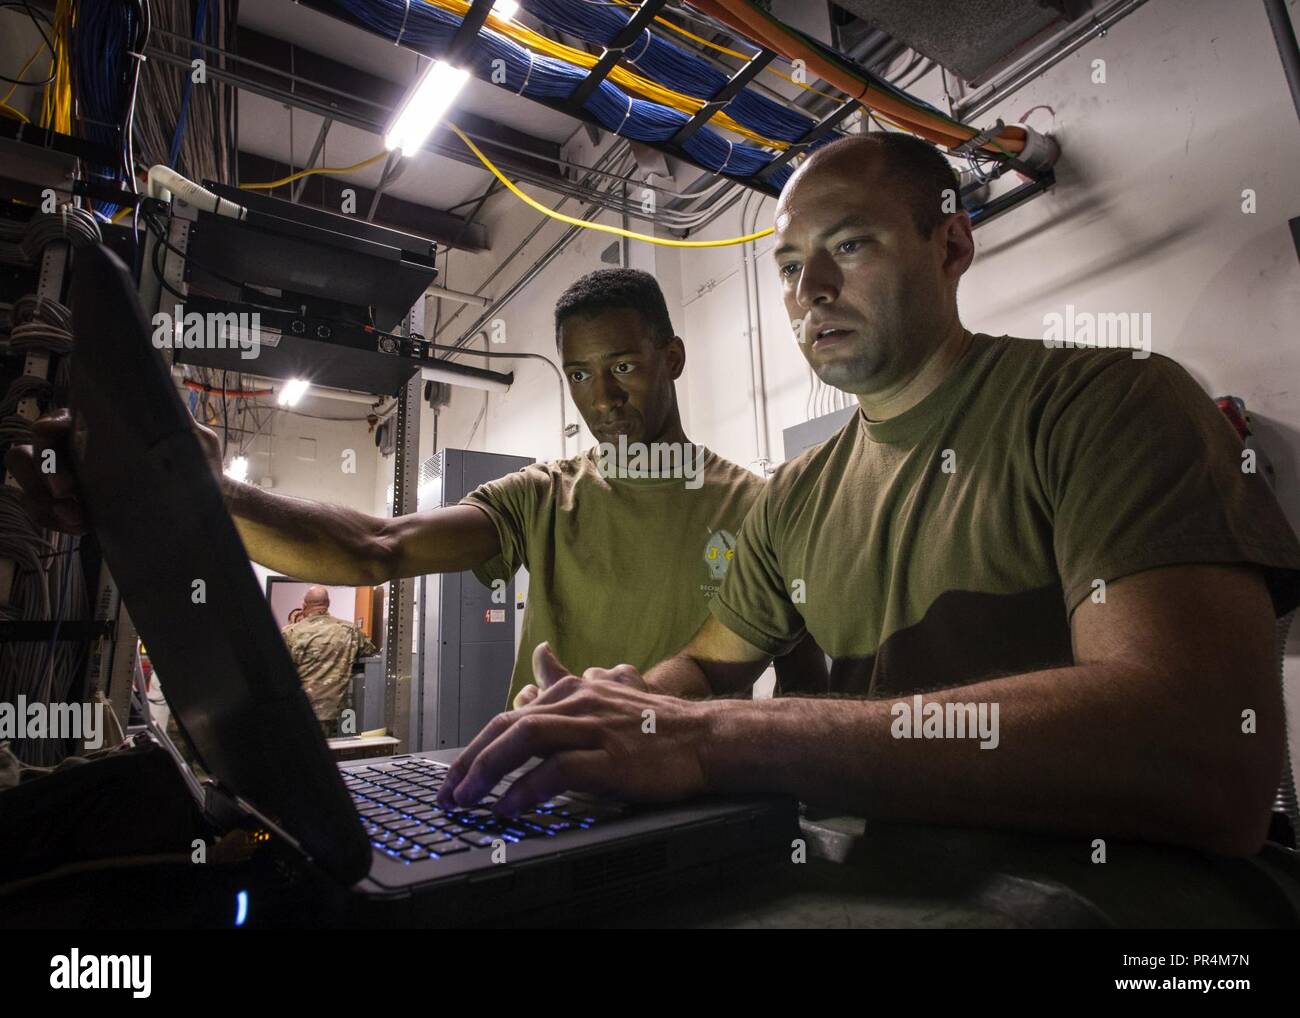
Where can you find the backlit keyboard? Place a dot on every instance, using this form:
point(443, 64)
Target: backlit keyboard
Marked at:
point(397, 803)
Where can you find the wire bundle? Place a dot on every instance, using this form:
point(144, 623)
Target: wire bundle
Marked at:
point(106, 47)
point(48, 583)
point(179, 124)
point(39, 324)
point(77, 226)
point(750, 21)
point(31, 308)
point(56, 101)
point(431, 28)
point(15, 429)
point(671, 64)
point(34, 322)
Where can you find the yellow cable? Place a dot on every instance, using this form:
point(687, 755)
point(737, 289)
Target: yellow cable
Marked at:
point(16, 114)
point(56, 99)
point(315, 169)
point(23, 70)
point(601, 227)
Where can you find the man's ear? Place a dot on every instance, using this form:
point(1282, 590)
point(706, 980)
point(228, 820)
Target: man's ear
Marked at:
point(675, 351)
point(959, 245)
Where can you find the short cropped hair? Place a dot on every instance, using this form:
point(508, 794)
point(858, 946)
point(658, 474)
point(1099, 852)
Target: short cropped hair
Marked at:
point(917, 167)
point(615, 290)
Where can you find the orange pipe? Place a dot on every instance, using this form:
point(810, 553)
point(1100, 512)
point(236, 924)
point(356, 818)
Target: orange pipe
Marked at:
point(228, 393)
point(739, 16)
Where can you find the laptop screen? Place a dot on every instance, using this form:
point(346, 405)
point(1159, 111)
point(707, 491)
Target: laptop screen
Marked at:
point(155, 508)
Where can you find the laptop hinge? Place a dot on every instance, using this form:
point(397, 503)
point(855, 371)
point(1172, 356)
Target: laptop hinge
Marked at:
point(229, 811)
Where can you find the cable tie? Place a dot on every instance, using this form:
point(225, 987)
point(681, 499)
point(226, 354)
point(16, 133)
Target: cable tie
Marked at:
point(528, 75)
point(402, 31)
point(634, 59)
point(978, 140)
point(625, 116)
point(731, 148)
point(139, 56)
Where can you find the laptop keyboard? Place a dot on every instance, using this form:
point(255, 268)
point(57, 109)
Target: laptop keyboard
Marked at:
point(397, 803)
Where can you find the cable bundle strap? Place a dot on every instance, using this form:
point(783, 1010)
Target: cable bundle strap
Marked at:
point(402, 30)
point(528, 75)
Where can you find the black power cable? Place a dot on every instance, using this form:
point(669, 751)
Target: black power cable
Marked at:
point(48, 45)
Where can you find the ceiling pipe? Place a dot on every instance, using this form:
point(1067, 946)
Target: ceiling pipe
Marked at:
point(470, 378)
point(458, 295)
point(263, 386)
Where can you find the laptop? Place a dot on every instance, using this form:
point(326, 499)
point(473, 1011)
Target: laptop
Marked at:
point(369, 826)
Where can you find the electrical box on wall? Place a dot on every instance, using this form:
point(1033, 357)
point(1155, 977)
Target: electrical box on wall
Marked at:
point(465, 631)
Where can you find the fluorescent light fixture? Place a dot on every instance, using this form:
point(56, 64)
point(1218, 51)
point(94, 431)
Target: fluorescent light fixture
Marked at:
point(292, 391)
point(506, 9)
point(238, 468)
point(423, 107)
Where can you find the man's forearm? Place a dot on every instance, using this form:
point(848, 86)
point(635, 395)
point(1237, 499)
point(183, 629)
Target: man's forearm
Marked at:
point(679, 676)
point(307, 540)
point(685, 677)
point(1078, 750)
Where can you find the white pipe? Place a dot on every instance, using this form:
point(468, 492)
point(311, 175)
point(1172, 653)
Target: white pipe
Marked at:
point(458, 295)
point(316, 391)
point(163, 182)
point(468, 381)
point(342, 395)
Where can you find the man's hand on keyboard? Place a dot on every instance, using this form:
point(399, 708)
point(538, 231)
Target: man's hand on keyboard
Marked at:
point(598, 734)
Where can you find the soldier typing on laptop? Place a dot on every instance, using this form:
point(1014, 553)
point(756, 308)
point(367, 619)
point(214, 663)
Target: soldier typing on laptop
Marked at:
point(1063, 540)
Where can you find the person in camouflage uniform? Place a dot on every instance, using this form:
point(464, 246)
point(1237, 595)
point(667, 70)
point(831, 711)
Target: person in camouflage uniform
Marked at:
point(324, 650)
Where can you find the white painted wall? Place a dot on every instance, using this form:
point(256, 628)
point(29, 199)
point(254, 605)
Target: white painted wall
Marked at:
point(304, 455)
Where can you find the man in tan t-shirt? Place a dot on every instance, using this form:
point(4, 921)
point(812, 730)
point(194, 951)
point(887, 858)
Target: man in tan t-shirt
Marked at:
point(1048, 577)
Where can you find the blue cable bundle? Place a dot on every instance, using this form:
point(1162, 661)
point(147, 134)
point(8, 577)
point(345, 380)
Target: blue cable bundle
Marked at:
point(670, 65)
point(102, 37)
point(431, 29)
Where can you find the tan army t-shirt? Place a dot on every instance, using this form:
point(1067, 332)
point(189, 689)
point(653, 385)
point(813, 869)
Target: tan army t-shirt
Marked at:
point(620, 569)
point(950, 544)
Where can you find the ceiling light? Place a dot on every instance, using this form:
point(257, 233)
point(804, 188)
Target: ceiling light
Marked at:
point(423, 107)
point(292, 391)
point(237, 468)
